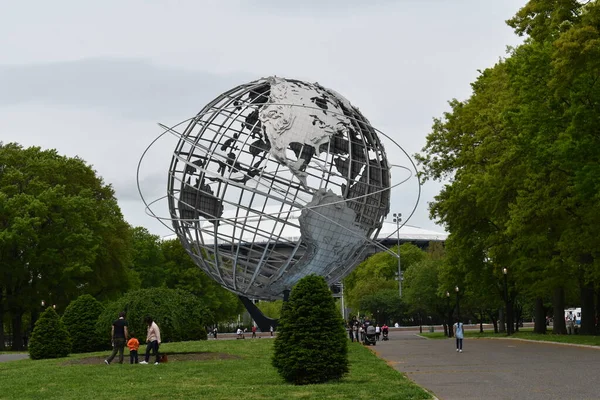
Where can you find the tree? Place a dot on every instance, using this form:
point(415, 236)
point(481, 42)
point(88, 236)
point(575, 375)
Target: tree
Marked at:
point(304, 354)
point(523, 175)
point(50, 338)
point(80, 319)
point(148, 259)
point(378, 272)
point(384, 305)
point(61, 233)
point(271, 309)
point(181, 273)
point(421, 291)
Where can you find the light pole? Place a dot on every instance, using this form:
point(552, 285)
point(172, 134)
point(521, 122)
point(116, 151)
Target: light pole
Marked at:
point(449, 320)
point(343, 306)
point(457, 303)
point(508, 317)
point(397, 220)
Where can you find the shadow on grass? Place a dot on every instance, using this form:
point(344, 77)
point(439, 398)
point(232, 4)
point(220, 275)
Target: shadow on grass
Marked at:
point(172, 357)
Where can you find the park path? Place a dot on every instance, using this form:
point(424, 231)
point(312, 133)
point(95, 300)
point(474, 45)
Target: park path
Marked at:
point(494, 368)
point(13, 357)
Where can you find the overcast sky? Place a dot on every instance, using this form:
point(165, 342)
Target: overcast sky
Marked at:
point(92, 79)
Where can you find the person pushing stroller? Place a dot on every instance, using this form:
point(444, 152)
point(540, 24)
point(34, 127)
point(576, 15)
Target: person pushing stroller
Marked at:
point(384, 332)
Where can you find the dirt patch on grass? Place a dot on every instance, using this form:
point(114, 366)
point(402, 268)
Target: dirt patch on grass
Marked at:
point(172, 357)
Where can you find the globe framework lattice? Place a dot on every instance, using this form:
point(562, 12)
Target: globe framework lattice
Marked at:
point(274, 180)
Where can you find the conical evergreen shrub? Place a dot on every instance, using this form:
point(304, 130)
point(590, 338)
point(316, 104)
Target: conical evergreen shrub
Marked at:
point(49, 338)
point(80, 320)
point(311, 344)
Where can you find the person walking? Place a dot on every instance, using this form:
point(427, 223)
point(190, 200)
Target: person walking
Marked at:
point(253, 331)
point(118, 334)
point(271, 330)
point(377, 332)
point(570, 322)
point(152, 341)
point(459, 335)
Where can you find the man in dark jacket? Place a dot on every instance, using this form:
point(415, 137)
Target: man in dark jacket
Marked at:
point(119, 335)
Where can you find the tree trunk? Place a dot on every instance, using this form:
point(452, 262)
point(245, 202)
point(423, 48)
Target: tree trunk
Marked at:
point(510, 323)
point(481, 314)
point(501, 322)
point(17, 330)
point(2, 340)
point(559, 327)
point(518, 314)
point(588, 311)
point(494, 321)
point(539, 325)
point(598, 312)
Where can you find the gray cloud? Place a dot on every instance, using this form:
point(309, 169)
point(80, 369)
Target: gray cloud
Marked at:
point(127, 87)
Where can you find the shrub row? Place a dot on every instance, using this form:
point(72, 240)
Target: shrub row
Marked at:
point(86, 323)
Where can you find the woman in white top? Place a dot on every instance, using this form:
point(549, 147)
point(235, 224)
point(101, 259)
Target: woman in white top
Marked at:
point(152, 340)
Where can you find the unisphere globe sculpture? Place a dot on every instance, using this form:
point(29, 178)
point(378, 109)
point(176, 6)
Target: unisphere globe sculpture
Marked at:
point(274, 180)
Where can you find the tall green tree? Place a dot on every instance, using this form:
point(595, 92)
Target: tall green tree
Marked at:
point(521, 169)
point(148, 259)
point(180, 272)
point(61, 233)
point(379, 272)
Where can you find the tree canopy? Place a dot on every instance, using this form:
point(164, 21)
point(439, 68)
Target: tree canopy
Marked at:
point(61, 233)
point(520, 166)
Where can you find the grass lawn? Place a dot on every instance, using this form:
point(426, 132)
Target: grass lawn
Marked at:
point(248, 376)
point(526, 334)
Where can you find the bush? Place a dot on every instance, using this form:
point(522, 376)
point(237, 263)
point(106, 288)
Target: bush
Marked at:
point(179, 315)
point(311, 344)
point(49, 338)
point(80, 320)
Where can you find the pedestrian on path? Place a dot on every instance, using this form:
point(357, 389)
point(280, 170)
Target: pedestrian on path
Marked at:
point(152, 341)
point(118, 335)
point(459, 335)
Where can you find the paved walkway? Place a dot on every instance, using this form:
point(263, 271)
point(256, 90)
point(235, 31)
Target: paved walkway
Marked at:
point(13, 357)
point(494, 368)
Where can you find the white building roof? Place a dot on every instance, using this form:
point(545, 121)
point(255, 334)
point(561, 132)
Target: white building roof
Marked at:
point(268, 229)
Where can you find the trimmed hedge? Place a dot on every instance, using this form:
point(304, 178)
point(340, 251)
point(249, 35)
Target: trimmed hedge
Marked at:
point(80, 319)
point(179, 315)
point(311, 344)
point(49, 338)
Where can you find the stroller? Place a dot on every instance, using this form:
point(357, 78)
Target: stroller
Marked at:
point(369, 338)
point(384, 335)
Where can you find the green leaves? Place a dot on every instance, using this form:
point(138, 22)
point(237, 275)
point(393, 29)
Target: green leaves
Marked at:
point(521, 155)
point(80, 319)
point(311, 344)
point(50, 338)
point(61, 230)
point(180, 316)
